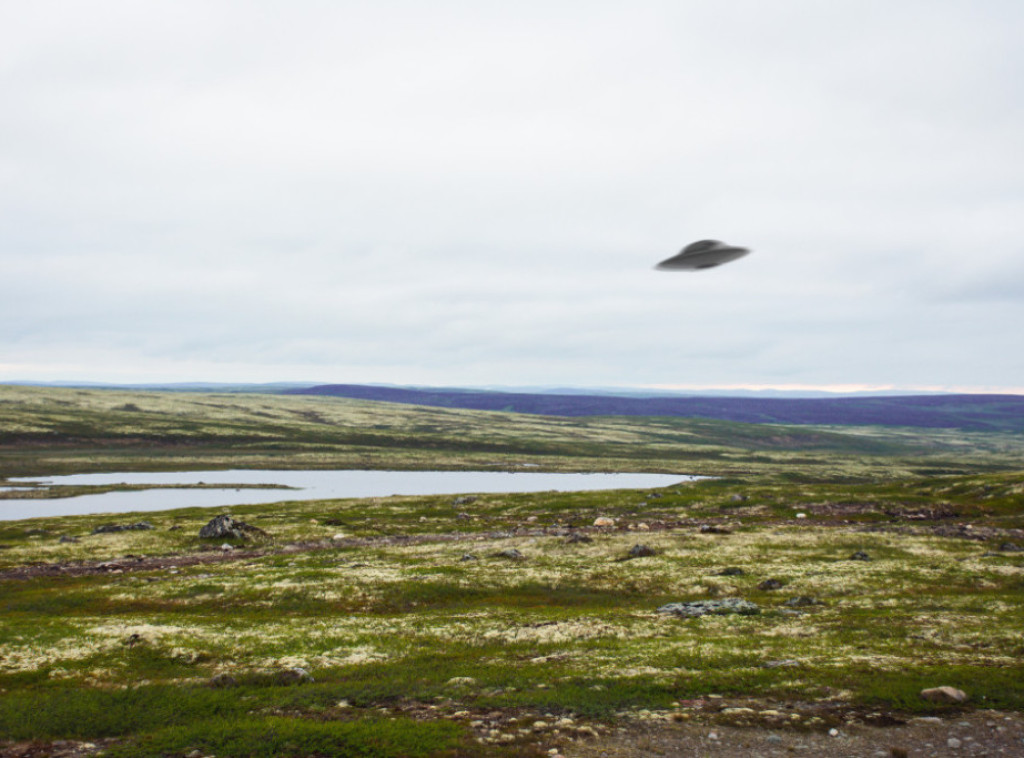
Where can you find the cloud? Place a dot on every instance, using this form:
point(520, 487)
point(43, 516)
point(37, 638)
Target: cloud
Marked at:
point(455, 193)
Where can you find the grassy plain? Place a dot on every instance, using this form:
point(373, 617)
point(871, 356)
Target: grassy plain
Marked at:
point(422, 640)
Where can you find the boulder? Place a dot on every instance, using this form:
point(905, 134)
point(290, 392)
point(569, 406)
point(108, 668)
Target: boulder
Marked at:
point(944, 695)
point(604, 521)
point(224, 527)
point(722, 607)
point(770, 584)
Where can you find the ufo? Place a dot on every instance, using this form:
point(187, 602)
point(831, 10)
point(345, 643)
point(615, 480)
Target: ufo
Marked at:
point(703, 254)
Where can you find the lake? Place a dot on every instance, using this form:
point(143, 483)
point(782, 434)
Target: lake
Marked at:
point(308, 485)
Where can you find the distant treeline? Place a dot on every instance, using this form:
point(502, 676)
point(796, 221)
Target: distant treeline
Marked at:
point(969, 412)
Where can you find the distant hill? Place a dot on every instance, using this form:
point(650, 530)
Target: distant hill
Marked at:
point(970, 412)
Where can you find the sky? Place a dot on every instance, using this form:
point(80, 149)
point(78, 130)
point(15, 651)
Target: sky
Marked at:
point(476, 193)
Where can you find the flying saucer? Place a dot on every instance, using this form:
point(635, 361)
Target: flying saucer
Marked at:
point(703, 254)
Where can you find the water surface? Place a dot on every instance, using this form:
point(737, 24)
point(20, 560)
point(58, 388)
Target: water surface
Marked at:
point(309, 485)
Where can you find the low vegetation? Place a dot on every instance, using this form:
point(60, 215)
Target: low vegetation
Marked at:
point(403, 626)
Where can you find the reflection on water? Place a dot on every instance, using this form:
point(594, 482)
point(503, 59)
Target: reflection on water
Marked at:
point(309, 485)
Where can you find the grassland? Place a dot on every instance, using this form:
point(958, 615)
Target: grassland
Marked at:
point(421, 639)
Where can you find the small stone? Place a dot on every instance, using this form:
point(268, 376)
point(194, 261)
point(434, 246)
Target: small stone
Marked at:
point(223, 680)
point(860, 555)
point(770, 584)
point(801, 515)
point(641, 551)
point(712, 735)
point(578, 537)
point(712, 529)
point(226, 548)
point(67, 538)
point(642, 527)
point(731, 571)
point(604, 521)
point(462, 681)
point(953, 743)
point(948, 695)
point(338, 537)
point(833, 732)
point(294, 675)
point(802, 601)
point(773, 739)
point(468, 557)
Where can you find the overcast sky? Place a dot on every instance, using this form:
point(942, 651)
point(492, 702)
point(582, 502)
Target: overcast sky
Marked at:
point(475, 193)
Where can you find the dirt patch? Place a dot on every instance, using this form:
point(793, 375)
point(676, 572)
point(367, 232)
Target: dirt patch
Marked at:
point(978, 733)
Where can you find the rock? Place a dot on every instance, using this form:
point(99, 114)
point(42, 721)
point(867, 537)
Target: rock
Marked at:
point(224, 527)
point(860, 555)
point(802, 601)
point(468, 557)
point(1009, 547)
point(947, 695)
point(294, 675)
point(801, 515)
point(604, 521)
point(731, 571)
point(510, 554)
point(640, 551)
point(712, 529)
point(226, 548)
point(223, 680)
point(338, 537)
point(722, 607)
point(953, 743)
point(464, 500)
point(111, 528)
point(770, 584)
point(737, 498)
point(578, 537)
point(462, 681)
point(787, 663)
point(67, 538)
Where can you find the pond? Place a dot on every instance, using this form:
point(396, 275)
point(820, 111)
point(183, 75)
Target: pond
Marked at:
point(303, 485)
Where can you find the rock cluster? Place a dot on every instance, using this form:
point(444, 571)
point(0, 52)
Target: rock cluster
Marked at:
point(721, 607)
point(224, 527)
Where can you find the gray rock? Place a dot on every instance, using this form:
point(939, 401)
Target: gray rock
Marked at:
point(464, 500)
point(1009, 547)
point(224, 527)
point(860, 555)
point(111, 528)
point(770, 584)
point(737, 498)
point(468, 557)
point(67, 538)
point(721, 607)
point(510, 554)
point(947, 695)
